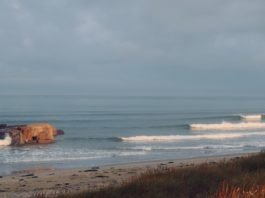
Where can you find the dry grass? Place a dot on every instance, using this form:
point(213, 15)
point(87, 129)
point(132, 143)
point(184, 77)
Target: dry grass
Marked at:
point(226, 191)
point(243, 177)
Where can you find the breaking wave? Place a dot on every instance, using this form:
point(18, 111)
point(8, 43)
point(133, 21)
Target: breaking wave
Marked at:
point(144, 138)
point(199, 147)
point(256, 117)
point(78, 139)
point(228, 126)
point(173, 148)
point(38, 156)
point(6, 141)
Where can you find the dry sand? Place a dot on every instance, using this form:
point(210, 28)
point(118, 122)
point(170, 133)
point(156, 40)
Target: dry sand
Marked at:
point(24, 183)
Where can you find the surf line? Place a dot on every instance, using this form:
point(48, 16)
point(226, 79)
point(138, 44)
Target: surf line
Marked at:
point(145, 138)
point(228, 126)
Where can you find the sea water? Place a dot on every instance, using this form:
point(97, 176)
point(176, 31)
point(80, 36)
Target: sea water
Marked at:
point(104, 130)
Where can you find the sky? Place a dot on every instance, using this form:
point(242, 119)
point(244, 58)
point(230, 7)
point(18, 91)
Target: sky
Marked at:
point(144, 47)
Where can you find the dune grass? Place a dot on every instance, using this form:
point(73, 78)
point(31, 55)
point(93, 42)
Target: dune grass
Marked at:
point(241, 177)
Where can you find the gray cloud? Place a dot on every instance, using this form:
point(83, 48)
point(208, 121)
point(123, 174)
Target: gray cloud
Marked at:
point(131, 46)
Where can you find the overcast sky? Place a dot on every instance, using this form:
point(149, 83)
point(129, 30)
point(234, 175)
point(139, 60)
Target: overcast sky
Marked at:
point(160, 47)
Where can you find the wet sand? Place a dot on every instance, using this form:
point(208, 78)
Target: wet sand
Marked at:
point(24, 183)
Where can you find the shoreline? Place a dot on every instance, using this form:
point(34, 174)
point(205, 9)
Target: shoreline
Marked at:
point(27, 182)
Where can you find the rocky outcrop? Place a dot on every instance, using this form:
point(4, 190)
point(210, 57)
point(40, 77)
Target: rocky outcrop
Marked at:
point(38, 133)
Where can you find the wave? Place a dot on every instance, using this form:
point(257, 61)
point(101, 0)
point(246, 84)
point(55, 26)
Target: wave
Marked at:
point(144, 138)
point(228, 126)
point(253, 117)
point(6, 141)
point(69, 156)
point(174, 148)
point(112, 139)
point(199, 147)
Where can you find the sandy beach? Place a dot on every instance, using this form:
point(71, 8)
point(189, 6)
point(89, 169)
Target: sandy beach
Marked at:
point(27, 182)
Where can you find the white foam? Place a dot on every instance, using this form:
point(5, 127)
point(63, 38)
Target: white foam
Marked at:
point(42, 156)
point(199, 147)
point(141, 148)
point(6, 141)
point(229, 126)
point(252, 118)
point(144, 138)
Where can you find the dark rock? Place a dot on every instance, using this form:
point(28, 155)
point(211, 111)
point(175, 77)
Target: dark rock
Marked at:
point(101, 176)
point(2, 134)
point(90, 170)
point(28, 175)
point(60, 132)
point(3, 126)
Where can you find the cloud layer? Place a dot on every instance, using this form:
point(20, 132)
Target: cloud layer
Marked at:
point(161, 47)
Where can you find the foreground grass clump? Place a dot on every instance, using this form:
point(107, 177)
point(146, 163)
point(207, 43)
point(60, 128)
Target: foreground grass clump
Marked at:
point(233, 192)
point(242, 177)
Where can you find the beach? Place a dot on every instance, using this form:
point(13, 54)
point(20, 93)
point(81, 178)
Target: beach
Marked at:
point(25, 183)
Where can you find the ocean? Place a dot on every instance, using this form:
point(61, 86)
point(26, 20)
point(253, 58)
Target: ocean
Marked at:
point(105, 130)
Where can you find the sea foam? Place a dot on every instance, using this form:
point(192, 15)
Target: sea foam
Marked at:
point(6, 141)
point(229, 126)
point(257, 117)
point(145, 138)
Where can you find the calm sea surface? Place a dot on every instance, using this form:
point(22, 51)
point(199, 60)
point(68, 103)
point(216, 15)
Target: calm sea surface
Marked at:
point(110, 130)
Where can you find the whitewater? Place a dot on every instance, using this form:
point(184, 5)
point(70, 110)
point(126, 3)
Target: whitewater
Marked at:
point(252, 118)
point(6, 141)
point(219, 136)
point(229, 126)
